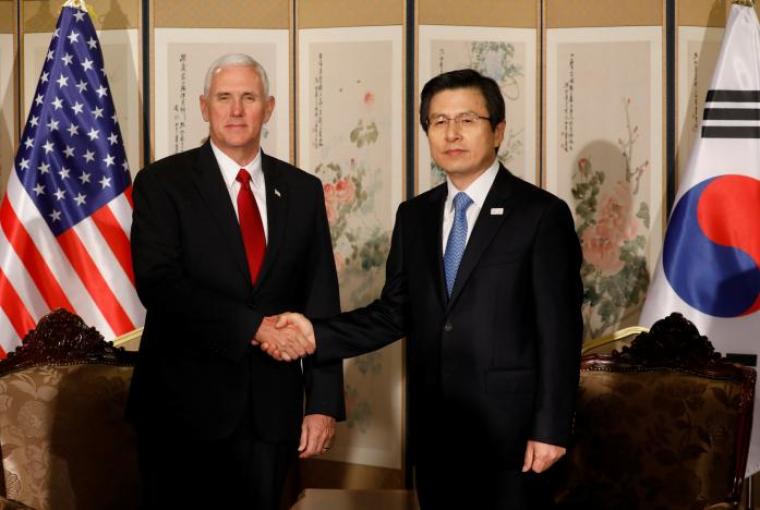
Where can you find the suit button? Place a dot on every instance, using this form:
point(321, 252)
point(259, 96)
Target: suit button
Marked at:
point(448, 327)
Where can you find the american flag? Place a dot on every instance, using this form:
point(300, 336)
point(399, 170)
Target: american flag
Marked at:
point(67, 211)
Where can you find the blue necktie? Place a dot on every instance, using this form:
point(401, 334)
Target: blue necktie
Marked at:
point(457, 239)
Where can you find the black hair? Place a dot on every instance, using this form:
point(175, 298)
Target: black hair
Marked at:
point(464, 79)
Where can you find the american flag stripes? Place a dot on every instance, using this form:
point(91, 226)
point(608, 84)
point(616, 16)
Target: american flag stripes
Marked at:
point(66, 215)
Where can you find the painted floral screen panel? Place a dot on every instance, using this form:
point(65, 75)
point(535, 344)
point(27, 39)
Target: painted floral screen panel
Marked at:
point(182, 57)
point(604, 157)
point(121, 55)
point(8, 134)
point(350, 114)
point(698, 49)
point(508, 55)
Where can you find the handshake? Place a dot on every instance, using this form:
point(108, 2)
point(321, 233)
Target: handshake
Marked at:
point(286, 337)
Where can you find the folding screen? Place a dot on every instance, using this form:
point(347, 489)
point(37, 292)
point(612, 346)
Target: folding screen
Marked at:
point(187, 36)
point(498, 39)
point(8, 93)
point(350, 134)
point(604, 145)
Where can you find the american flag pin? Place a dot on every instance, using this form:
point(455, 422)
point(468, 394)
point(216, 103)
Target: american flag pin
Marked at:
point(497, 211)
point(277, 192)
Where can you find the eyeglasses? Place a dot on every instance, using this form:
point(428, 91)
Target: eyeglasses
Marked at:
point(463, 121)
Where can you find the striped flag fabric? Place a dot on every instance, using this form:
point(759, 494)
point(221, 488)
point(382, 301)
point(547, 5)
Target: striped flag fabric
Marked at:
point(732, 114)
point(709, 269)
point(67, 211)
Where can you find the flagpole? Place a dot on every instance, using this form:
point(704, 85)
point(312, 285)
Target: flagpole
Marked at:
point(750, 479)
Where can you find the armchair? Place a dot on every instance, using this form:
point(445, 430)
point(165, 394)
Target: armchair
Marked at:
point(664, 424)
point(64, 441)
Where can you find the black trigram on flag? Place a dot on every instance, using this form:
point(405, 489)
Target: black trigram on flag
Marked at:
point(732, 114)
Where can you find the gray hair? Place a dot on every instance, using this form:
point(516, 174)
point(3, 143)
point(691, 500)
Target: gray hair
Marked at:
point(235, 59)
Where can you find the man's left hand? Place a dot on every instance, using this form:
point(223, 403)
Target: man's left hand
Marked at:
point(540, 456)
point(317, 432)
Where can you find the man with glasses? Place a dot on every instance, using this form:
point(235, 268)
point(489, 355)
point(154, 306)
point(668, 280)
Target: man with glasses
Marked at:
point(483, 278)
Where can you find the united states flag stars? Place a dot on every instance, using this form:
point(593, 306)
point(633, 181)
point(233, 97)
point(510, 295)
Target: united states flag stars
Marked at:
point(72, 158)
point(67, 212)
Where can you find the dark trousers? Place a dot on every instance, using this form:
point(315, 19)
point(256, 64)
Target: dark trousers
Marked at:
point(464, 483)
point(238, 471)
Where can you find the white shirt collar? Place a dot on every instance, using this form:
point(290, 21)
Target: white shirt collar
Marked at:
point(230, 168)
point(478, 189)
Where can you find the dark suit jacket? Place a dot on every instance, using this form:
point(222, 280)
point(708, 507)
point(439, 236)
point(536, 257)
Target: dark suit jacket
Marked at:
point(497, 363)
point(196, 367)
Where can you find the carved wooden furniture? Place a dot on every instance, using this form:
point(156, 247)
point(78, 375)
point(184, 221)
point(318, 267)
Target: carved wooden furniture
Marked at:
point(663, 424)
point(64, 441)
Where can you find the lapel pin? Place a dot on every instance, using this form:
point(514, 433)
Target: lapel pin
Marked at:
point(497, 211)
point(277, 192)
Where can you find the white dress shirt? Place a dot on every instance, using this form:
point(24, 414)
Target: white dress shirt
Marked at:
point(230, 169)
point(477, 191)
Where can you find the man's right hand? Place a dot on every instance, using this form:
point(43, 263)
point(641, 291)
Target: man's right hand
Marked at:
point(298, 321)
point(282, 341)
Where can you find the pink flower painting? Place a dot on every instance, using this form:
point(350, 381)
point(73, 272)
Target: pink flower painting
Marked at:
point(345, 191)
point(330, 202)
point(614, 225)
point(612, 222)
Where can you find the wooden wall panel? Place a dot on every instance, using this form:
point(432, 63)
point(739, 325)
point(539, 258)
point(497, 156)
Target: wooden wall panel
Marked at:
point(221, 14)
point(349, 13)
point(9, 112)
point(603, 13)
point(486, 13)
point(41, 15)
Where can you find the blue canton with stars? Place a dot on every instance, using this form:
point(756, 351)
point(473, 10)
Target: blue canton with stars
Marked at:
point(71, 159)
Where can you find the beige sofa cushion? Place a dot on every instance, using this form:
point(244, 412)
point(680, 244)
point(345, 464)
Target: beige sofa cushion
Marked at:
point(64, 441)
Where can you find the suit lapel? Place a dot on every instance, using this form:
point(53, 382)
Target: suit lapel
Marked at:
point(484, 230)
point(433, 229)
point(277, 206)
point(210, 183)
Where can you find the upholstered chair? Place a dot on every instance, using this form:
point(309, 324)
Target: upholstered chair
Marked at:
point(663, 424)
point(65, 444)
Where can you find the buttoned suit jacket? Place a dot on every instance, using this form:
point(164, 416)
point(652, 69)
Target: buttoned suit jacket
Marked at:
point(196, 367)
point(497, 363)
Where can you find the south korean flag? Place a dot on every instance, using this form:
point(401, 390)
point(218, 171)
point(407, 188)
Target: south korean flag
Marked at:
point(709, 269)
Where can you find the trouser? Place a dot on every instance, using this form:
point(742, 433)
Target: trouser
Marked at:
point(446, 483)
point(237, 471)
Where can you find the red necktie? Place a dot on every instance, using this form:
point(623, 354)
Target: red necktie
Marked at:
point(251, 227)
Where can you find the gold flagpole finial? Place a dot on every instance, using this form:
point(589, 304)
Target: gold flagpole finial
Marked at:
point(745, 3)
point(77, 4)
point(81, 5)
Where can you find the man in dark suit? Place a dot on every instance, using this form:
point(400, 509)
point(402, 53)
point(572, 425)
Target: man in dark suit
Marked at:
point(222, 236)
point(483, 278)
